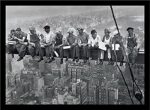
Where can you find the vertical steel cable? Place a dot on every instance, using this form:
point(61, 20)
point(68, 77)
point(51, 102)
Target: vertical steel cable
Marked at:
point(116, 58)
point(131, 73)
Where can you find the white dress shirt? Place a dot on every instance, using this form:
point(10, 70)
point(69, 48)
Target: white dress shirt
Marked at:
point(107, 41)
point(49, 37)
point(92, 41)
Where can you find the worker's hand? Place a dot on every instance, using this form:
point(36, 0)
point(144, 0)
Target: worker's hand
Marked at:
point(74, 44)
point(84, 44)
point(96, 45)
point(48, 44)
point(119, 48)
point(107, 46)
point(45, 45)
point(89, 45)
point(25, 43)
point(80, 45)
point(32, 44)
point(135, 48)
point(15, 37)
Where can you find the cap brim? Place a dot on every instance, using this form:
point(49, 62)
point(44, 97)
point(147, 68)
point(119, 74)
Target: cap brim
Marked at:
point(130, 28)
point(46, 27)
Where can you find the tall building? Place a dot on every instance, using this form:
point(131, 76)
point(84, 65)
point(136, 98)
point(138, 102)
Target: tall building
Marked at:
point(103, 95)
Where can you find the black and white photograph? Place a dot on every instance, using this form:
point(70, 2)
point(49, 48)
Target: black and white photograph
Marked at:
point(75, 55)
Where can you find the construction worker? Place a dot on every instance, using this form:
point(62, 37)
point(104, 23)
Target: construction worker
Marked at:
point(132, 45)
point(11, 46)
point(83, 43)
point(42, 44)
point(106, 39)
point(72, 41)
point(93, 43)
point(49, 43)
point(117, 40)
point(34, 43)
point(20, 36)
point(59, 43)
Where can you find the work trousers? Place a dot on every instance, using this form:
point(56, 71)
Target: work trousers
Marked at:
point(49, 51)
point(85, 51)
point(119, 53)
point(75, 51)
point(35, 50)
point(90, 51)
point(11, 48)
point(108, 52)
point(21, 49)
point(60, 51)
point(132, 54)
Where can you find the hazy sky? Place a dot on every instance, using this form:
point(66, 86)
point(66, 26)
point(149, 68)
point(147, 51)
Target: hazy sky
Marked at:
point(40, 11)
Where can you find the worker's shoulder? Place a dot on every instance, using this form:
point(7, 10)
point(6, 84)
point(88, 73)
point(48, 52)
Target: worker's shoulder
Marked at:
point(23, 33)
point(85, 34)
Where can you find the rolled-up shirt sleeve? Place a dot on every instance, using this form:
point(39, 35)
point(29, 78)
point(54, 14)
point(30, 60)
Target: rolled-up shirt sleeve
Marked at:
point(137, 41)
point(99, 38)
point(79, 41)
point(9, 37)
point(53, 36)
point(89, 41)
point(28, 37)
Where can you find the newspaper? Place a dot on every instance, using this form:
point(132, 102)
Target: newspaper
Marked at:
point(102, 46)
point(116, 46)
point(66, 47)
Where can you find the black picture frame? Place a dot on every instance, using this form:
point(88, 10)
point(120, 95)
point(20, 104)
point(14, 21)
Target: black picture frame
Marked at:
point(146, 4)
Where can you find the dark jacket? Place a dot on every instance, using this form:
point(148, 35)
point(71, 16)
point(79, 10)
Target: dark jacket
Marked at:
point(58, 39)
point(34, 38)
point(131, 42)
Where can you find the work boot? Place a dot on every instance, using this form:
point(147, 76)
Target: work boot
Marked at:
point(47, 60)
point(77, 60)
point(61, 61)
point(20, 58)
point(40, 59)
point(112, 62)
point(33, 57)
point(67, 59)
point(12, 55)
point(84, 61)
point(73, 59)
point(101, 61)
point(52, 58)
point(121, 63)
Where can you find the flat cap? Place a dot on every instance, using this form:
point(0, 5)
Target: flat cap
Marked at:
point(71, 30)
point(130, 28)
point(12, 30)
point(31, 28)
point(46, 27)
point(93, 31)
point(59, 30)
point(18, 29)
point(79, 29)
point(107, 31)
